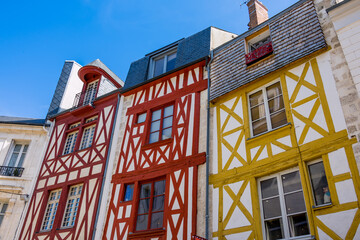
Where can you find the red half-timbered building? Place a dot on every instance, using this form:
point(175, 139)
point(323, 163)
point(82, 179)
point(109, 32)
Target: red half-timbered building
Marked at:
point(155, 183)
point(65, 201)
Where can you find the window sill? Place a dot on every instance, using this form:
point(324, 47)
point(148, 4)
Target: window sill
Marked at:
point(272, 131)
point(156, 144)
point(326, 205)
point(147, 233)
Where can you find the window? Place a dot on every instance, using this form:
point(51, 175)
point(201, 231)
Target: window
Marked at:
point(283, 206)
point(17, 156)
point(258, 45)
point(161, 124)
point(162, 64)
point(90, 92)
point(51, 209)
point(87, 137)
point(70, 142)
point(3, 207)
point(72, 205)
point(129, 192)
point(319, 184)
point(151, 206)
point(267, 109)
point(141, 118)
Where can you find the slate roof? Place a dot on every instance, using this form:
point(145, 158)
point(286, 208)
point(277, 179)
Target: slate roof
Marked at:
point(22, 121)
point(295, 33)
point(100, 64)
point(189, 50)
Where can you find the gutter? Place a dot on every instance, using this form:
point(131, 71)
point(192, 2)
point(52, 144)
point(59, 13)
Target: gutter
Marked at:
point(106, 167)
point(208, 149)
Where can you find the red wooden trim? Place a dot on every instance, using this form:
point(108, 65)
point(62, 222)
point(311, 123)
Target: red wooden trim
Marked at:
point(93, 69)
point(259, 53)
point(159, 169)
point(142, 235)
point(156, 144)
point(194, 193)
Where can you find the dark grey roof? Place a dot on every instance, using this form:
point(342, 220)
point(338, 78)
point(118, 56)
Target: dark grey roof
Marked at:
point(295, 33)
point(22, 121)
point(189, 50)
point(100, 64)
point(60, 88)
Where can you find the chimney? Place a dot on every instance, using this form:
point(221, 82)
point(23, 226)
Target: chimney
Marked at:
point(258, 13)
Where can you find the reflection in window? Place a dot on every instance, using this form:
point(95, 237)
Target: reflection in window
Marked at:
point(163, 64)
point(129, 192)
point(18, 155)
point(51, 209)
point(151, 206)
point(319, 184)
point(70, 142)
point(3, 207)
point(87, 137)
point(72, 206)
point(141, 118)
point(161, 124)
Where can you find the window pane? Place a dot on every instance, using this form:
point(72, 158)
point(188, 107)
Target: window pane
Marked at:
point(168, 111)
point(258, 112)
point(273, 90)
point(145, 190)
point(259, 126)
point(21, 161)
point(171, 59)
point(17, 148)
point(276, 104)
point(298, 225)
point(167, 122)
point(159, 187)
point(319, 183)
point(271, 208)
point(13, 159)
point(141, 118)
point(278, 119)
point(155, 126)
point(154, 137)
point(274, 229)
point(166, 134)
point(144, 205)
point(295, 203)
point(158, 67)
point(291, 182)
point(158, 204)
point(157, 220)
point(4, 207)
point(1, 219)
point(129, 191)
point(256, 98)
point(141, 222)
point(156, 115)
point(269, 188)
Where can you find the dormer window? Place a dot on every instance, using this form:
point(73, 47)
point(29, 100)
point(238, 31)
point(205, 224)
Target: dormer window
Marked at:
point(258, 46)
point(162, 63)
point(90, 92)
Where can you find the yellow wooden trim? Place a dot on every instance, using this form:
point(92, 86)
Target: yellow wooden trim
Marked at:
point(281, 145)
point(330, 179)
point(269, 150)
point(300, 82)
point(251, 236)
point(353, 169)
point(233, 131)
point(354, 226)
point(221, 209)
point(305, 100)
point(262, 30)
point(259, 151)
point(231, 231)
point(342, 177)
point(336, 208)
point(322, 95)
point(234, 152)
point(218, 127)
point(266, 137)
point(327, 230)
point(256, 208)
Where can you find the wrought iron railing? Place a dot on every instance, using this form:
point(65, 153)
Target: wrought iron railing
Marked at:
point(11, 171)
point(84, 98)
point(259, 53)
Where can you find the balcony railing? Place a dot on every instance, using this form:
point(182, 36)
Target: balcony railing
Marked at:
point(11, 171)
point(259, 53)
point(84, 98)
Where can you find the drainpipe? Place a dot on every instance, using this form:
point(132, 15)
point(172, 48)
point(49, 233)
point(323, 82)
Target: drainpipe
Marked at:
point(106, 166)
point(208, 149)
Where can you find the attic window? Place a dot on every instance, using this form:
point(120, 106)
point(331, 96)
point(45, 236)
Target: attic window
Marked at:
point(258, 46)
point(162, 63)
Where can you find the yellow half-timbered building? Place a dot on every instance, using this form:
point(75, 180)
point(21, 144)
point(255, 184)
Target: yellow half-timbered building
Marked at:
point(282, 163)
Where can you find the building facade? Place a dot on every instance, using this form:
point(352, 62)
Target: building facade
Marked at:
point(22, 141)
point(283, 164)
point(65, 202)
point(161, 160)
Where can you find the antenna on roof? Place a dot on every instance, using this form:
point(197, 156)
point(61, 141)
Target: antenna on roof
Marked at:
point(244, 2)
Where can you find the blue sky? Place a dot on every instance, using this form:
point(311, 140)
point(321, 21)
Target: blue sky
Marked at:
point(36, 38)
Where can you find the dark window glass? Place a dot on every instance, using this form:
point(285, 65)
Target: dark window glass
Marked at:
point(161, 124)
point(319, 184)
point(129, 192)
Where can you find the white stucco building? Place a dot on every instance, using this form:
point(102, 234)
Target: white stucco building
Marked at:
point(22, 143)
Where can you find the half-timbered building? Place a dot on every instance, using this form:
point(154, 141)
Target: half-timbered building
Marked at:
point(161, 155)
point(66, 197)
point(283, 165)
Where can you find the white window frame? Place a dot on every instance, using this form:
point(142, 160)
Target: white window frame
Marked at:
point(90, 92)
point(158, 57)
point(87, 137)
point(284, 215)
point(71, 211)
point(21, 152)
point(3, 208)
point(53, 203)
point(266, 106)
point(72, 143)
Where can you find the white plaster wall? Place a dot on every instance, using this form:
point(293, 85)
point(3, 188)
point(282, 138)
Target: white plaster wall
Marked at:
point(219, 37)
point(14, 186)
point(73, 86)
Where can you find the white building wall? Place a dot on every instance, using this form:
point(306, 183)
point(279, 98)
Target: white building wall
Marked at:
point(13, 190)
